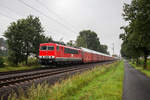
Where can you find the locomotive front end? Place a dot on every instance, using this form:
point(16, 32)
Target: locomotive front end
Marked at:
point(46, 53)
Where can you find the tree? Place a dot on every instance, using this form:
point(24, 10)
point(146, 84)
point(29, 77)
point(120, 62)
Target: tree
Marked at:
point(23, 38)
point(3, 47)
point(103, 49)
point(1, 62)
point(70, 43)
point(88, 39)
point(137, 36)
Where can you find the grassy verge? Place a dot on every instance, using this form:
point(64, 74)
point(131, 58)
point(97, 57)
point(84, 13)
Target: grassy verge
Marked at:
point(32, 64)
point(101, 83)
point(140, 68)
point(141, 63)
point(15, 68)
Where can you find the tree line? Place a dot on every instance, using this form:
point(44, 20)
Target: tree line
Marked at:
point(136, 36)
point(24, 36)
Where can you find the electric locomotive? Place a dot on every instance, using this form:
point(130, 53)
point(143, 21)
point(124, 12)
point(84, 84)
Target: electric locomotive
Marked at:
point(52, 53)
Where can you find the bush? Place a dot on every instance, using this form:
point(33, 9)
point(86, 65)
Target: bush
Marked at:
point(1, 61)
point(32, 61)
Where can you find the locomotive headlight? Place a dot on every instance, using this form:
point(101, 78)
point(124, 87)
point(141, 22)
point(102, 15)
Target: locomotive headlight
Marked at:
point(49, 57)
point(53, 57)
point(40, 56)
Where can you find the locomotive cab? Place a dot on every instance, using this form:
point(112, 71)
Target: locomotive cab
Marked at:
point(47, 53)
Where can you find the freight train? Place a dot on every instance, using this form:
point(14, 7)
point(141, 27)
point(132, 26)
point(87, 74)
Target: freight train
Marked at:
point(52, 53)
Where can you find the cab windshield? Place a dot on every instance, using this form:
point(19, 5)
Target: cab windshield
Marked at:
point(47, 48)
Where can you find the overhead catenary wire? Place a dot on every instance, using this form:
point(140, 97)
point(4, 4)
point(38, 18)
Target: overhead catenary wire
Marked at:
point(7, 16)
point(11, 10)
point(56, 32)
point(50, 18)
point(19, 15)
point(1, 35)
point(58, 16)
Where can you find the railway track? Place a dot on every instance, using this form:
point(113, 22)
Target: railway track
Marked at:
point(12, 79)
point(17, 79)
point(20, 71)
point(24, 79)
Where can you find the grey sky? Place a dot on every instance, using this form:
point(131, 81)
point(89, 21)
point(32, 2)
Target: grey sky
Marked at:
point(65, 18)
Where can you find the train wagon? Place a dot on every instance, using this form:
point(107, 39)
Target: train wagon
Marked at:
point(94, 56)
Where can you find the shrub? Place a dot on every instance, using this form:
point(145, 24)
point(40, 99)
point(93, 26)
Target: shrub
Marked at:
point(32, 61)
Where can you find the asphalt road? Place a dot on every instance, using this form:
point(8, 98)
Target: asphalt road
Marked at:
point(136, 84)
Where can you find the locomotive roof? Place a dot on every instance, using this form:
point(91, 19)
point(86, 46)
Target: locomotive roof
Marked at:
point(94, 52)
point(47, 43)
point(60, 45)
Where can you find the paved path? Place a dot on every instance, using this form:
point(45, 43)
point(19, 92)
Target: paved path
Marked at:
point(136, 85)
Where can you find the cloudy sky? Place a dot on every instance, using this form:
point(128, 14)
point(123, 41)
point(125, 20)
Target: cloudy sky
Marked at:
point(64, 19)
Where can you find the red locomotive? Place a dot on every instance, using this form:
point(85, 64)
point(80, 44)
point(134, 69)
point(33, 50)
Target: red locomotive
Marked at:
point(52, 53)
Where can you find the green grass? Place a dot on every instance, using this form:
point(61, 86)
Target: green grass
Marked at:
point(101, 83)
point(140, 68)
point(32, 64)
point(105, 87)
point(98, 84)
point(142, 63)
point(15, 68)
point(41, 92)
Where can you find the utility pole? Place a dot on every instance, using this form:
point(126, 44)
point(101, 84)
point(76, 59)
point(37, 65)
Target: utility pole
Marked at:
point(113, 47)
